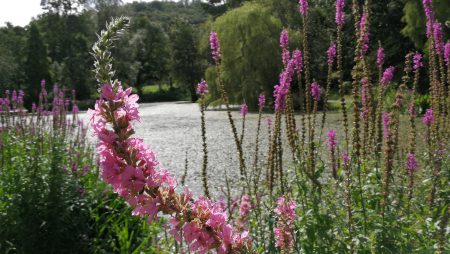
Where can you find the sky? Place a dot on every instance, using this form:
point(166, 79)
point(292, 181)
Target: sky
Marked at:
point(20, 12)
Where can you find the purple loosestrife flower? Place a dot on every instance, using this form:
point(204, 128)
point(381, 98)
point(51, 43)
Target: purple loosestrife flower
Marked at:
point(284, 232)
point(428, 118)
point(284, 44)
point(20, 96)
point(286, 209)
point(387, 77)
point(261, 101)
point(215, 46)
point(428, 7)
point(331, 53)
point(447, 53)
point(303, 7)
point(245, 206)
point(340, 12)
point(438, 40)
point(202, 88)
point(386, 120)
point(244, 109)
point(331, 139)
point(149, 189)
point(332, 143)
point(284, 39)
point(345, 158)
point(417, 59)
point(315, 91)
point(298, 60)
point(364, 33)
point(282, 89)
point(411, 162)
point(380, 57)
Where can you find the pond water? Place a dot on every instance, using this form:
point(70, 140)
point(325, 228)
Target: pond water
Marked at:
point(172, 129)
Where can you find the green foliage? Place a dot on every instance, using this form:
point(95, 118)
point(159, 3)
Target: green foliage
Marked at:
point(185, 63)
point(12, 57)
point(36, 64)
point(155, 88)
point(62, 6)
point(70, 63)
point(150, 43)
point(44, 206)
point(52, 201)
point(248, 37)
point(414, 18)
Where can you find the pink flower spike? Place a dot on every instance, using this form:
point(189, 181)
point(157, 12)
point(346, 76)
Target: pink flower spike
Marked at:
point(215, 46)
point(331, 53)
point(284, 39)
point(284, 232)
point(303, 7)
point(315, 91)
point(297, 59)
point(364, 33)
point(245, 206)
point(345, 159)
point(428, 7)
point(261, 101)
point(331, 139)
point(438, 40)
point(447, 53)
point(202, 88)
point(428, 118)
point(339, 12)
point(417, 59)
point(244, 109)
point(387, 77)
point(284, 44)
point(411, 162)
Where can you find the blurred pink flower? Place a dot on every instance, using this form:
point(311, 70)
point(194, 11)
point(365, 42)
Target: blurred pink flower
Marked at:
point(244, 109)
point(261, 101)
point(315, 91)
point(339, 12)
point(202, 88)
point(215, 46)
point(303, 7)
point(428, 118)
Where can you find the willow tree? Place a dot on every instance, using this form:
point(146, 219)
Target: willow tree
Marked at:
point(250, 53)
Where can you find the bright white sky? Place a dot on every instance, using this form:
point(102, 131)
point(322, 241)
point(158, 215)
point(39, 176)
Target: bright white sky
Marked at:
point(20, 12)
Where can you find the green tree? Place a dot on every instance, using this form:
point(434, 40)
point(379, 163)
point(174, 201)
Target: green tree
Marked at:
point(12, 44)
point(37, 64)
point(251, 57)
point(69, 38)
point(151, 52)
point(185, 64)
point(62, 6)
